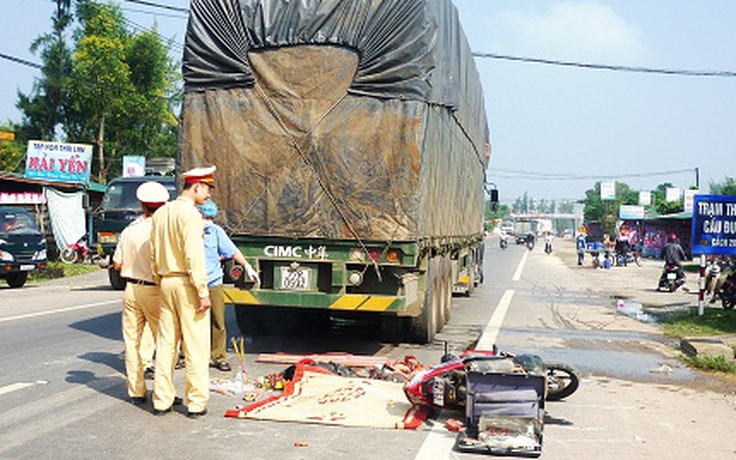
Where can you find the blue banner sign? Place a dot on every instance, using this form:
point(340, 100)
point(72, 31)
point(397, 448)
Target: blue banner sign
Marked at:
point(714, 225)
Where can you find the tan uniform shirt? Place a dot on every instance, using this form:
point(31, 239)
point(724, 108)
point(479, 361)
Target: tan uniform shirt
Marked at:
point(177, 243)
point(133, 251)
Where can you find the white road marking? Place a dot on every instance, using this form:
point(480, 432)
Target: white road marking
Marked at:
point(61, 310)
point(14, 387)
point(439, 442)
point(490, 333)
point(520, 268)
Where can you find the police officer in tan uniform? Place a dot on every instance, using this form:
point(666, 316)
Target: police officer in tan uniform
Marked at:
point(177, 262)
point(142, 299)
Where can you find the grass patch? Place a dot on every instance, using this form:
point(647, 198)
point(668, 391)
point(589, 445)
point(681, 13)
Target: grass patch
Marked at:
point(57, 269)
point(715, 321)
point(713, 363)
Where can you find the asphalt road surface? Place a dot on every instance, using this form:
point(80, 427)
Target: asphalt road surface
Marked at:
point(62, 387)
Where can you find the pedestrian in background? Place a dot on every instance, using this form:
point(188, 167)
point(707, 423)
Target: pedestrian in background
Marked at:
point(217, 248)
point(142, 298)
point(581, 246)
point(177, 261)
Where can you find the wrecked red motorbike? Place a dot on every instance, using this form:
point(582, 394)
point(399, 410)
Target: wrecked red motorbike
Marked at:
point(445, 386)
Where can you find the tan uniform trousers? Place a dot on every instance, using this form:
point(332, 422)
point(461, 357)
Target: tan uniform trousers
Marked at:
point(141, 307)
point(219, 333)
point(180, 321)
point(148, 346)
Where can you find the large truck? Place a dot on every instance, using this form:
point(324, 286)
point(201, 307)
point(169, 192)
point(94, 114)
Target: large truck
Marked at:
point(351, 143)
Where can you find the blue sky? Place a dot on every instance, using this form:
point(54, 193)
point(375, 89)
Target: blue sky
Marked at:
point(549, 121)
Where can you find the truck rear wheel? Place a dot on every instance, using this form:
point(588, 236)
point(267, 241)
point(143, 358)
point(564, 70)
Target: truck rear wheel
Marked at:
point(17, 280)
point(445, 287)
point(423, 328)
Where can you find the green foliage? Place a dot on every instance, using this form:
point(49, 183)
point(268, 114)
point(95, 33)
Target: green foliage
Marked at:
point(718, 363)
point(606, 212)
point(43, 108)
point(116, 90)
point(566, 207)
point(499, 213)
point(57, 269)
point(725, 187)
point(660, 203)
point(12, 153)
point(715, 321)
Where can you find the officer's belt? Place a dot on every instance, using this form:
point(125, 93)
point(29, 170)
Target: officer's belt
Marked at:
point(143, 282)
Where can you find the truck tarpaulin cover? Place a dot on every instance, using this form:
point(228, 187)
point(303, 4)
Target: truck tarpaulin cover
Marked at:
point(336, 118)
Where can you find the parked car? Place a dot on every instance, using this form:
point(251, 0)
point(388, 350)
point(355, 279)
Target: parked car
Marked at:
point(22, 246)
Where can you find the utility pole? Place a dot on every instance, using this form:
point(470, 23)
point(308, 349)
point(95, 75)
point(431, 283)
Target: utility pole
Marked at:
point(697, 178)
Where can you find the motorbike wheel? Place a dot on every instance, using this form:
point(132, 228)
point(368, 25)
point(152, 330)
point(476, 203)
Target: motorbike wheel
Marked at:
point(68, 255)
point(727, 301)
point(562, 380)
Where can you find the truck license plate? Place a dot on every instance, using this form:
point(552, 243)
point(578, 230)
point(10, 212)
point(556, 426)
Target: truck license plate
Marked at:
point(294, 278)
point(27, 268)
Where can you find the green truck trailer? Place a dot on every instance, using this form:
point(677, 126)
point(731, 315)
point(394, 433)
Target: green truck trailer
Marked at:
point(351, 143)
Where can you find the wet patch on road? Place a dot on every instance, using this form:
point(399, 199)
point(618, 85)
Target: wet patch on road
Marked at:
point(634, 310)
point(620, 354)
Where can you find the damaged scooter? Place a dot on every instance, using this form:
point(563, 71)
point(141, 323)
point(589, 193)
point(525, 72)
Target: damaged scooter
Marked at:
point(444, 386)
point(502, 396)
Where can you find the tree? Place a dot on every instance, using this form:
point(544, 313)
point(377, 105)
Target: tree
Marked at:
point(12, 153)
point(119, 91)
point(499, 213)
point(43, 108)
point(566, 207)
point(606, 212)
point(660, 203)
point(725, 187)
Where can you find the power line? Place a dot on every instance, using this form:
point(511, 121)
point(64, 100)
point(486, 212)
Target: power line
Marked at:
point(139, 28)
point(89, 81)
point(159, 5)
point(519, 174)
point(618, 68)
point(20, 61)
point(164, 15)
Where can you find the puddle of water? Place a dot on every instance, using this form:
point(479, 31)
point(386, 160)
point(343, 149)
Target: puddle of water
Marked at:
point(643, 367)
point(634, 310)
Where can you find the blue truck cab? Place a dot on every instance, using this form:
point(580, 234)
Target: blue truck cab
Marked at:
point(22, 246)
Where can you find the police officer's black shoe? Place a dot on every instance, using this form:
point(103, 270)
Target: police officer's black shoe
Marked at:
point(194, 415)
point(138, 400)
point(164, 411)
point(177, 402)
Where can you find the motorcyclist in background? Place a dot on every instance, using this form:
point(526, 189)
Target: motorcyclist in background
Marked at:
point(503, 239)
point(548, 238)
point(673, 254)
point(530, 240)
